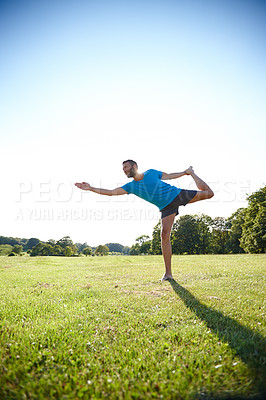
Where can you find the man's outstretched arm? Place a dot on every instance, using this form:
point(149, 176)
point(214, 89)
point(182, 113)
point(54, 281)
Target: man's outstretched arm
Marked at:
point(86, 186)
point(175, 175)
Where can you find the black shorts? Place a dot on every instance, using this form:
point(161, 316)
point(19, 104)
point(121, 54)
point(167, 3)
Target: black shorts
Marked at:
point(180, 200)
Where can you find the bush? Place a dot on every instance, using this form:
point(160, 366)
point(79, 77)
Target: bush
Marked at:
point(5, 249)
point(87, 251)
point(12, 254)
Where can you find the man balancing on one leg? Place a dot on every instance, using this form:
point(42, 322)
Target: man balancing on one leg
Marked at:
point(150, 187)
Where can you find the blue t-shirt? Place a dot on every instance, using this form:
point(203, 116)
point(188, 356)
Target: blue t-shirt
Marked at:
point(152, 189)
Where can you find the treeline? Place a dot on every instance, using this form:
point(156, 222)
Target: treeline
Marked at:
point(243, 232)
point(192, 234)
point(64, 247)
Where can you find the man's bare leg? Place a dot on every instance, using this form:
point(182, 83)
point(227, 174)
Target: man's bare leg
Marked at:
point(205, 191)
point(167, 224)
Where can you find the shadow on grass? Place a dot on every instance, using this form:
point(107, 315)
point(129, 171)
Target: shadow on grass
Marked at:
point(250, 346)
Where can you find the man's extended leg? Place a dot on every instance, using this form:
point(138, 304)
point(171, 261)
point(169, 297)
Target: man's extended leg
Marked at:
point(167, 223)
point(205, 191)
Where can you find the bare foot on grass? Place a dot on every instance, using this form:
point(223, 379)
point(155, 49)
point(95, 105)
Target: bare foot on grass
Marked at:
point(166, 277)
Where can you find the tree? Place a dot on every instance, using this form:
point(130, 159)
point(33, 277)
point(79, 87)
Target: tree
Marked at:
point(52, 242)
point(35, 251)
point(145, 248)
point(5, 249)
point(253, 239)
point(236, 222)
point(57, 250)
point(66, 241)
point(144, 244)
point(9, 240)
point(47, 250)
point(87, 251)
point(31, 243)
point(156, 239)
point(126, 250)
point(184, 237)
point(42, 249)
point(102, 250)
point(17, 249)
point(115, 247)
point(134, 249)
point(68, 251)
point(220, 236)
point(204, 223)
point(142, 239)
point(81, 247)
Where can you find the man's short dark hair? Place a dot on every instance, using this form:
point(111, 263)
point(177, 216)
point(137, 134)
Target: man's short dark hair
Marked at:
point(132, 162)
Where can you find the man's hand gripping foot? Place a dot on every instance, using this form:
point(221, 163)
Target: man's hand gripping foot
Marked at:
point(189, 170)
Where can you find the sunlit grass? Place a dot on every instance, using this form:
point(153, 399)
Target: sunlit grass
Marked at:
point(105, 327)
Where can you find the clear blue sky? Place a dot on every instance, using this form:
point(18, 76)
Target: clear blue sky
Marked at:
point(87, 84)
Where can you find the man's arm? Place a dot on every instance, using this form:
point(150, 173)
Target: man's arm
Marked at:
point(175, 175)
point(115, 192)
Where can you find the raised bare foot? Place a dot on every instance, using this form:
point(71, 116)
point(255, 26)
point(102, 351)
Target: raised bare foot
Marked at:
point(166, 277)
point(189, 170)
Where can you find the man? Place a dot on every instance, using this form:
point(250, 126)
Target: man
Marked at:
point(151, 187)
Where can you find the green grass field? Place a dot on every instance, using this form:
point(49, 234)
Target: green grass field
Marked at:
point(89, 328)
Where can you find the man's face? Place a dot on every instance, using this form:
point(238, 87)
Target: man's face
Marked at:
point(129, 170)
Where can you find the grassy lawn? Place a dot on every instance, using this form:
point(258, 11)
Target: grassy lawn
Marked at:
point(89, 328)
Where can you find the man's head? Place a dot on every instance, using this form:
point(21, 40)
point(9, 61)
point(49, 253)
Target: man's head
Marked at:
point(130, 168)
